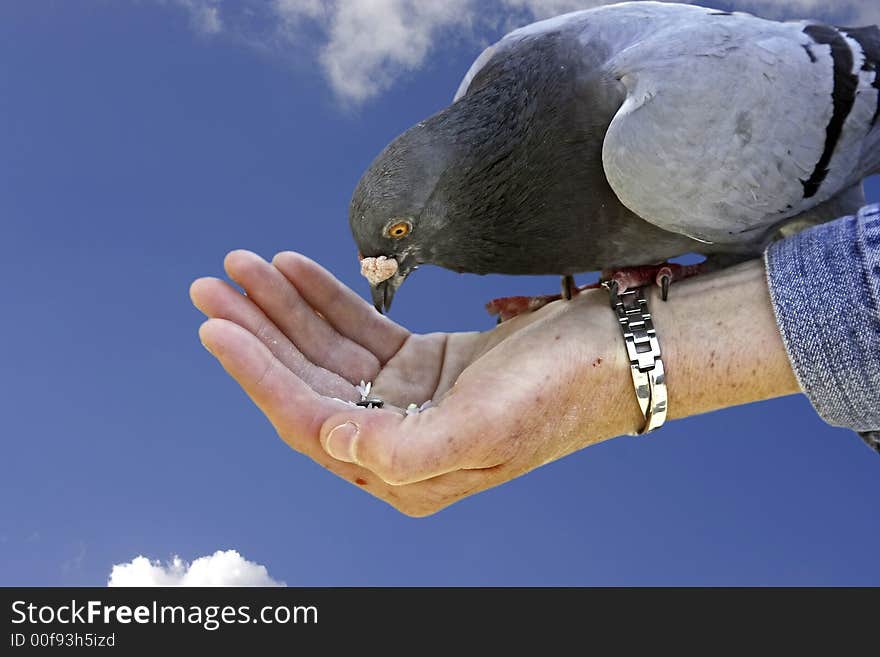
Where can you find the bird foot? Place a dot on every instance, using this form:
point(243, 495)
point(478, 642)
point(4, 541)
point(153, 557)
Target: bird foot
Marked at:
point(507, 307)
point(662, 275)
point(627, 278)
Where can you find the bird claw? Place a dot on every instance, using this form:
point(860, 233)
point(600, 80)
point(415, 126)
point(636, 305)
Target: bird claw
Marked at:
point(616, 281)
point(568, 287)
point(664, 287)
point(664, 280)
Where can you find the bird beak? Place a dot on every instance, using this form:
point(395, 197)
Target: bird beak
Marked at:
point(383, 293)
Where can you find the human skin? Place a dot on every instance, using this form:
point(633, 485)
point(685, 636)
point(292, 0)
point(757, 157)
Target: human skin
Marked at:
point(505, 401)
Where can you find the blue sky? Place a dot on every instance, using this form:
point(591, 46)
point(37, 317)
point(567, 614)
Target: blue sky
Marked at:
point(138, 147)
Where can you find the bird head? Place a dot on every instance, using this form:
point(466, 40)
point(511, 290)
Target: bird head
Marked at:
point(394, 215)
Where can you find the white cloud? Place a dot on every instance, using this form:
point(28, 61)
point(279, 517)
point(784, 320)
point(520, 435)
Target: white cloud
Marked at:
point(546, 8)
point(223, 568)
point(291, 10)
point(864, 12)
point(364, 46)
point(867, 11)
point(367, 44)
point(204, 15)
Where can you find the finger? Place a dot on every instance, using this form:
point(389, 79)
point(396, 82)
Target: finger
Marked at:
point(312, 335)
point(219, 300)
point(405, 449)
point(295, 410)
point(347, 312)
point(299, 414)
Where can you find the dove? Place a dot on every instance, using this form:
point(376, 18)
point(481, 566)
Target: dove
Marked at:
point(616, 138)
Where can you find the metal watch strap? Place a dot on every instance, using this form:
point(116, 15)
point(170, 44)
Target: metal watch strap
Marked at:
point(643, 351)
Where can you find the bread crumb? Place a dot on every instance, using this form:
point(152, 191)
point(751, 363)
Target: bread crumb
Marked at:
point(376, 270)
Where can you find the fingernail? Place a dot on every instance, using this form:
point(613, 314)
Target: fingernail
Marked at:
point(340, 442)
point(207, 348)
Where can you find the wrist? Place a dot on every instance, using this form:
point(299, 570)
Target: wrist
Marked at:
point(605, 385)
point(720, 341)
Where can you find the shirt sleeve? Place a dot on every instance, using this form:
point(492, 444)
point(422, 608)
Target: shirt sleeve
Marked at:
point(825, 288)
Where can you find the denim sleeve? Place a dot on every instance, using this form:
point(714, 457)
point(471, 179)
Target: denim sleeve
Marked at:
point(825, 289)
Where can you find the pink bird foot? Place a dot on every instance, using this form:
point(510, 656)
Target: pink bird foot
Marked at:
point(662, 275)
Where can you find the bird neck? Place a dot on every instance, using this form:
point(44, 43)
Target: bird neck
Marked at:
point(491, 152)
point(515, 154)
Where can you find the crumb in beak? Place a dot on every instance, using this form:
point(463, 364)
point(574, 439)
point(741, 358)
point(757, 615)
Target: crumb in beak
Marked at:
point(376, 270)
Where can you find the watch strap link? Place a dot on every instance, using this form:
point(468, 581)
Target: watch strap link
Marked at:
point(643, 351)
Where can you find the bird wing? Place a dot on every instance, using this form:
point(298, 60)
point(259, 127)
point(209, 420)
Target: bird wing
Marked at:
point(734, 124)
point(731, 124)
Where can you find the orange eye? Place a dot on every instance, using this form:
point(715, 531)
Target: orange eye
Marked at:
point(400, 229)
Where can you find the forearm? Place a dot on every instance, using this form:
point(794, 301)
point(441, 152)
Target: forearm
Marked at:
point(721, 343)
point(729, 339)
point(720, 347)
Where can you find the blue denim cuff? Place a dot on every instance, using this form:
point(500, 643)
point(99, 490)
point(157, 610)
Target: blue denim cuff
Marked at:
point(825, 288)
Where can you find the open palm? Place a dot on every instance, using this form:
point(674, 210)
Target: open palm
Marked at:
point(299, 342)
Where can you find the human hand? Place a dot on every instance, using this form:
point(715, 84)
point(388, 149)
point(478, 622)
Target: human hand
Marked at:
point(505, 401)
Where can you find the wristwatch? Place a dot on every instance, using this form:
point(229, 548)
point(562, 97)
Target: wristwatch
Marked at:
point(643, 350)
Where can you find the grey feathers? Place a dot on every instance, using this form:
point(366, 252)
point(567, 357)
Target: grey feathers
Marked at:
point(628, 134)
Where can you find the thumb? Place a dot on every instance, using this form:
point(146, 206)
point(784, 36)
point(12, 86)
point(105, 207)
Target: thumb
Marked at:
point(407, 448)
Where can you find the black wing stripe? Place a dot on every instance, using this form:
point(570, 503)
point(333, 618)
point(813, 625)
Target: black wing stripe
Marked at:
point(843, 97)
point(869, 39)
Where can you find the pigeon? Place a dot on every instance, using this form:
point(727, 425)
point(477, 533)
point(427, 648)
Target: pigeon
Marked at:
point(616, 138)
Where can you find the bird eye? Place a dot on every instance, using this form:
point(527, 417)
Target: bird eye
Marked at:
point(400, 229)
